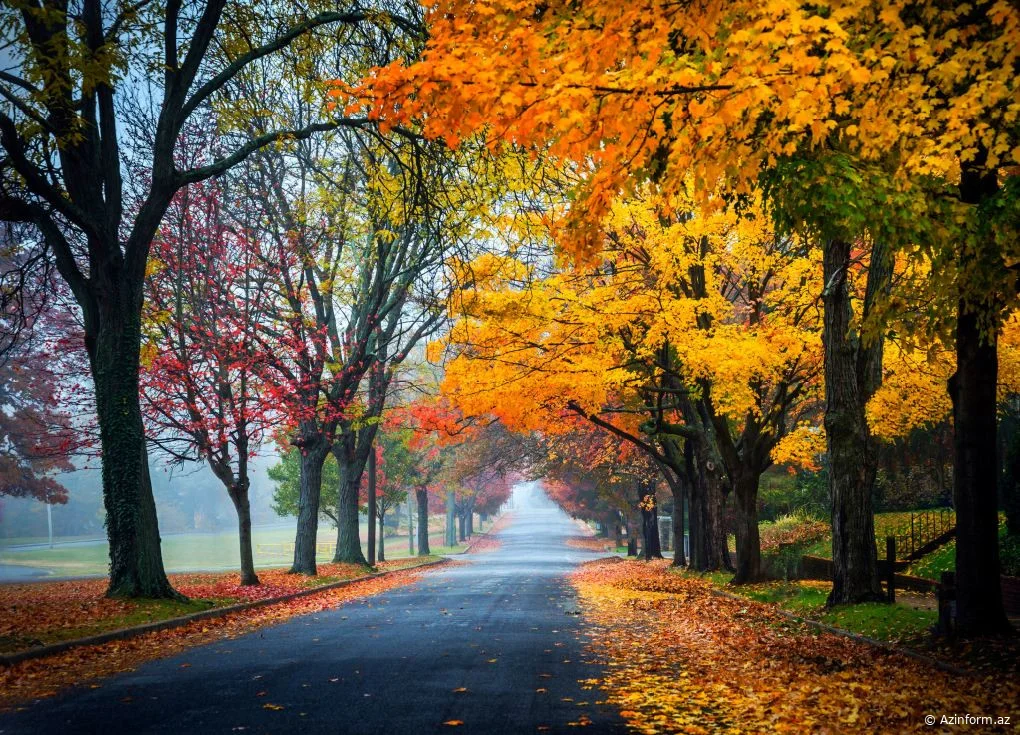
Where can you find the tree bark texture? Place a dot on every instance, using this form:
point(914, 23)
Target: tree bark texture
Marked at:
point(351, 452)
point(651, 544)
point(422, 496)
point(848, 386)
point(313, 453)
point(348, 536)
point(979, 607)
point(242, 503)
point(704, 475)
point(745, 488)
point(136, 563)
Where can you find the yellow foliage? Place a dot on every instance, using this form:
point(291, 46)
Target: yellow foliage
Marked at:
point(733, 303)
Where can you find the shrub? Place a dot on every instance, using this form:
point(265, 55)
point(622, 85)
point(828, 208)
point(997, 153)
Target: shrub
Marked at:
point(783, 542)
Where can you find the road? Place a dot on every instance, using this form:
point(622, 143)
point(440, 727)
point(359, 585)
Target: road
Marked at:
point(495, 643)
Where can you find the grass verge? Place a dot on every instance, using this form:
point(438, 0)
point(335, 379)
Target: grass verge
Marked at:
point(896, 623)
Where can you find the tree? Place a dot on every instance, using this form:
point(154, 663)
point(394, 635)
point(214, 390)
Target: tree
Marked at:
point(428, 428)
point(719, 94)
point(71, 123)
point(357, 263)
point(692, 339)
point(201, 388)
point(394, 464)
point(36, 438)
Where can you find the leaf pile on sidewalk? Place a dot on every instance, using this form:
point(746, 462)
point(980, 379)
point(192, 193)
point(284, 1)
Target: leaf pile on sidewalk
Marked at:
point(487, 541)
point(43, 677)
point(591, 543)
point(484, 543)
point(681, 659)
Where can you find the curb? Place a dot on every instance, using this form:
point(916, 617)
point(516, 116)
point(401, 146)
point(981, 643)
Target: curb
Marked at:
point(170, 623)
point(475, 538)
point(885, 645)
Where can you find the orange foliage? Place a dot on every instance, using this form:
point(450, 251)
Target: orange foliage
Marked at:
point(590, 543)
point(661, 89)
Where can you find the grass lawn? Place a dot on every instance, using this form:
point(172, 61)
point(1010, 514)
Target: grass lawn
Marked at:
point(944, 559)
point(200, 551)
point(806, 598)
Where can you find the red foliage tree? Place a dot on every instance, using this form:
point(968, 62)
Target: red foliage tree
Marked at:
point(203, 394)
point(38, 364)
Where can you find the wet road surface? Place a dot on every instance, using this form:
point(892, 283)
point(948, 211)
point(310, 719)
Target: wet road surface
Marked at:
point(495, 643)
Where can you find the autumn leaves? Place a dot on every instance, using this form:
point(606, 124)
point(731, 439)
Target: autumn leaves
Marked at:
point(682, 658)
point(879, 138)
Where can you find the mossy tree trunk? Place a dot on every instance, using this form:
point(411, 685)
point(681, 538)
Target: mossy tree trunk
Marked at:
point(113, 342)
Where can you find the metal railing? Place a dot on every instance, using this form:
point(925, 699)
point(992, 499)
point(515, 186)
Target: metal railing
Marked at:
point(923, 529)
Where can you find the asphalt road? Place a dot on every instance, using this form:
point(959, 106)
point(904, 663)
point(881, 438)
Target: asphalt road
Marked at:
point(495, 643)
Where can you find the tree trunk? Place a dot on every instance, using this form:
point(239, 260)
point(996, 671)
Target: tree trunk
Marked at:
point(313, 453)
point(745, 487)
point(372, 502)
point(462, 527)
point(381, 555)
point(705, 484)
point(348, 531)
point(136, 562)
point(470, 523)
point(422, 496)
point(617, 533)
point(650, 523)
point(851, 461)
point(677, 490)
point(451, 520)
point(979, 608)
point(410, 529)
point(242, 504)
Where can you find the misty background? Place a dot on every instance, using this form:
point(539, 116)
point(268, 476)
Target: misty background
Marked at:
point(189, 499)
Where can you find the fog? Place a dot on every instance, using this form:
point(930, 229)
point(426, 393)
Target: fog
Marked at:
point(189, 498)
